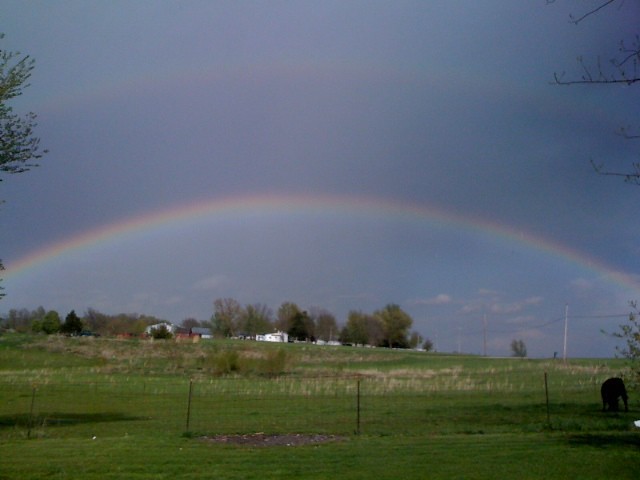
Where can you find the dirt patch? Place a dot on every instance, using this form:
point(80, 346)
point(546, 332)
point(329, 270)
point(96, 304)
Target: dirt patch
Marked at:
point(264, 440)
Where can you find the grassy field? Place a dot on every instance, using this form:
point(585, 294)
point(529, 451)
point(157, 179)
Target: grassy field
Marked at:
point(106, 408)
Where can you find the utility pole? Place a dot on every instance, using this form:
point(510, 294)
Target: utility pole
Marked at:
point(484, 334)
point(566, 326)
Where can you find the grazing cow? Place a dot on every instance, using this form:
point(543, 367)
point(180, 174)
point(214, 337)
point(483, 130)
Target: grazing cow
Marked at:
point(611, 390)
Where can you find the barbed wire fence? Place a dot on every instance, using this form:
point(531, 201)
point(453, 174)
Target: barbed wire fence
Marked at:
point(379, 405)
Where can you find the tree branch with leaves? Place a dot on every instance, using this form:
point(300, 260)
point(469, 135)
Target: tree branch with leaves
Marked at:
point(19, 147)
point(630, 333)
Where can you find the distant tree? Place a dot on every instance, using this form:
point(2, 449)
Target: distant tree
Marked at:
point(20, 320)
point(301, 327)
point(24, 320)
point(191, 323)
point(355, 330)
point(19, 147)
point(122, 323)
point(286, 313)
point(36, 326)
point(427, 345)
point(363, 329)
point(257, 318)
point(51, 322)
point(96, 321)
point(415, 340)
point(227, 316)
point(622, 68)
point(326, 327)
point(72, 324)
point(396, 323)
point(518, 349)
point(375, 330)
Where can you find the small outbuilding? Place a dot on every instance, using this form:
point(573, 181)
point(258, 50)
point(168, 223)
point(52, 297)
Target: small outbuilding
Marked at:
point(203, 333)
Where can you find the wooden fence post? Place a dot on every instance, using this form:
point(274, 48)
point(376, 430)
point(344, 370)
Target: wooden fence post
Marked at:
point(358, 408)
point(189, 403)
point(546, 392)
point(33, 401)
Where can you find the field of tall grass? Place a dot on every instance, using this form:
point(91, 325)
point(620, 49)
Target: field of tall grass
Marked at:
point(108, 408)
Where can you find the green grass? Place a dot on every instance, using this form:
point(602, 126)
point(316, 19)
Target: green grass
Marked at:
point(421, 415)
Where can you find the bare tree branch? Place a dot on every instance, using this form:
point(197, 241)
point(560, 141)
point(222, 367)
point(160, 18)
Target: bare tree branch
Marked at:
point(629, 177)
point(623, 132)
point(576, 21)
point(557, 80)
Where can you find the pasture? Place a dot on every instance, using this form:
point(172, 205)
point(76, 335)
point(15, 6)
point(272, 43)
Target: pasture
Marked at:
point(106, 408)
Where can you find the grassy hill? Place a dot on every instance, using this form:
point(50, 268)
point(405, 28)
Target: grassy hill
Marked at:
point(110, 408)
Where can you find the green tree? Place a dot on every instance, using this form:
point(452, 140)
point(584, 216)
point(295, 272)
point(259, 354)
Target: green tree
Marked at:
point(51, 322)
point(19, 147)
point(301, 327)
point(518, 349)
point(396, 324)
point(362, 329)
point(72, 324)
point(355, 330)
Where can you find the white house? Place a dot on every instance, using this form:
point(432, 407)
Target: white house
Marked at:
point(170, 327)
point(278, 337)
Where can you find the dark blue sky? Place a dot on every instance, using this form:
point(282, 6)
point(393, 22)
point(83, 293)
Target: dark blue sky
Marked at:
point(446, 106)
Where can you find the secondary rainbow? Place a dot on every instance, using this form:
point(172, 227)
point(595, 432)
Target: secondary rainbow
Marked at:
point(237, 206)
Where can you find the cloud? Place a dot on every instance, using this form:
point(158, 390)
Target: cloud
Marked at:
point(440, 299)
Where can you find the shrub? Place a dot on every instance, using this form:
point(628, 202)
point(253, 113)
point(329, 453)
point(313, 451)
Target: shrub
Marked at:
point(275, 363)
point(226, 363)
point(161, 333)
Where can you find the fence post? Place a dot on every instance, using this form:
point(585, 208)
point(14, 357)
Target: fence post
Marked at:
point(546, 392)
point(33, 401)
point(358, 408)
point(189, 403)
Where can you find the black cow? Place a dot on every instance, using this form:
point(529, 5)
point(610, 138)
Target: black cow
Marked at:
point(611, 390)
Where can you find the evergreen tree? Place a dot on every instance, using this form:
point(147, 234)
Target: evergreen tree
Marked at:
point(72, 324)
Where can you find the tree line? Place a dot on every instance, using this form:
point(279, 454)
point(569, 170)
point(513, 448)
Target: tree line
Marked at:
point(94, 322)
point(389, 326)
